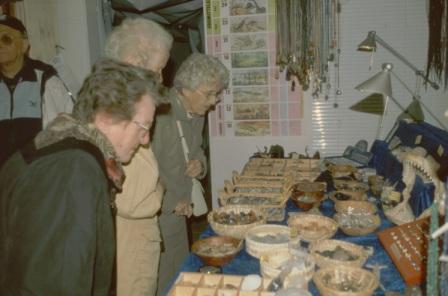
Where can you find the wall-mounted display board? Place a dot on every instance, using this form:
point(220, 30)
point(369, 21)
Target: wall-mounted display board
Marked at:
point(259, 100)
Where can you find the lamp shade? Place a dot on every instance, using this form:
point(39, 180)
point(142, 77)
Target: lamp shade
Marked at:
point(369, 44)
point(373, 104)
point(380, 83)
point(413, 111)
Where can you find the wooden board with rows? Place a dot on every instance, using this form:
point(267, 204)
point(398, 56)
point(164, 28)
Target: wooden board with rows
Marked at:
point(200, 284)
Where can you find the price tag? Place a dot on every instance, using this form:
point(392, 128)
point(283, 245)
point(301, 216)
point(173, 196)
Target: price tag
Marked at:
point(440, 150)
point(418, 139)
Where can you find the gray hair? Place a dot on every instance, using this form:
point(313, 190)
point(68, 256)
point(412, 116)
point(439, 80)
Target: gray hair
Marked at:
point(137, 37)
point(200, 69)
point(114, 88)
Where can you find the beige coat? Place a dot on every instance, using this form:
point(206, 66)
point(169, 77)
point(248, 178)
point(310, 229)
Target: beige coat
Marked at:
point(138, 234)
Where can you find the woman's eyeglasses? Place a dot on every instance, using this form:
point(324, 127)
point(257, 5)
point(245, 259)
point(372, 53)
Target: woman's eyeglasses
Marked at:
point(143, 126)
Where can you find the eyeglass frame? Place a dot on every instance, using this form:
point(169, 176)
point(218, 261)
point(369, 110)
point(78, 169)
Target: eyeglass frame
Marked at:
point(216, 95)
point(7, 39)
point(143, 126)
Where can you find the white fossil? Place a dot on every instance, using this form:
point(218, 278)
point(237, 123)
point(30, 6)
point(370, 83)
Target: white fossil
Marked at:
point(417, 162)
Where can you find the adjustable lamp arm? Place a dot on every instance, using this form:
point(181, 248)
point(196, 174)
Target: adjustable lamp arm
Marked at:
point(369, 45)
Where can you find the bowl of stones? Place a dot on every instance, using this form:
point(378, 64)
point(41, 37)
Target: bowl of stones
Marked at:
point(216, 250)
point(306, 194)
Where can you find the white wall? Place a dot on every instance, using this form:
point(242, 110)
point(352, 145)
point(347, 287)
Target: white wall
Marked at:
point(71, 24)
point(401, 23)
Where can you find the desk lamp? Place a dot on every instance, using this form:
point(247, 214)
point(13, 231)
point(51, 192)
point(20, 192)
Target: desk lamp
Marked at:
point(380, 83)
point(369, 44)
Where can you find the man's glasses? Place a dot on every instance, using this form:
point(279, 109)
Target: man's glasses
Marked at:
point(7, 39)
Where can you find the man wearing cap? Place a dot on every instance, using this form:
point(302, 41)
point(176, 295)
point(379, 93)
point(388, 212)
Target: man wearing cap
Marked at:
point(31, 94)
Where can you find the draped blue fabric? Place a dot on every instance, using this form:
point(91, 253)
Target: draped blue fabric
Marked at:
point(244, 264)
point(388, 166)
point(435, 141)
point(432, 138)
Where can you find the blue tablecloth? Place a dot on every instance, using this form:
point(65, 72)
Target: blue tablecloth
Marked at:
point(244, 264)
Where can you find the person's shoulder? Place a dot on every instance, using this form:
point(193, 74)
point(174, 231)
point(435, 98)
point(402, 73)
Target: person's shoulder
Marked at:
point(48, 69)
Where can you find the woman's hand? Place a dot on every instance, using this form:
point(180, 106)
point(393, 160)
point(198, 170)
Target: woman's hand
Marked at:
point(194, 168)
point(183, 208)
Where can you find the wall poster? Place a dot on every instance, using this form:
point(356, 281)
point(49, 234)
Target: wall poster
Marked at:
point(258, 101)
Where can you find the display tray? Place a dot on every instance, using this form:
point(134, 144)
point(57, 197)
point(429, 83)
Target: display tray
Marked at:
point(200, 284)
point(272, 205)
point(278, 166)
point(407, 247)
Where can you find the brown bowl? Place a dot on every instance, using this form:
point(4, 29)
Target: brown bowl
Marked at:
point(305, 204)
point(216, 242)
point(306, 194)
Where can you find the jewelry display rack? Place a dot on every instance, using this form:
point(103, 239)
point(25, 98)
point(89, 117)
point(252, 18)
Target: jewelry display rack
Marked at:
point(407, 246)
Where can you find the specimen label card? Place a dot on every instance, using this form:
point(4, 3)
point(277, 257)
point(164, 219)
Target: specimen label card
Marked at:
point(259, 101)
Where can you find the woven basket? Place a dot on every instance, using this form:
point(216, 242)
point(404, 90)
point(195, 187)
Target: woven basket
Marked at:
point(329, 281)
point(311, 227)
point(330, 245)
point(270, 265)
point(355, 206)
point(358, 231)
point(237, 231)
point(400, 214)
point(257, 249)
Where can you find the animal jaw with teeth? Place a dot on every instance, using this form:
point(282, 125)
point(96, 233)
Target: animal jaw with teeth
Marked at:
point(417, 162)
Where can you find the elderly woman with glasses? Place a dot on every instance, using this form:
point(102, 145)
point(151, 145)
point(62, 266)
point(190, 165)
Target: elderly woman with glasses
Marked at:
point(197, 87)
point(143, 43)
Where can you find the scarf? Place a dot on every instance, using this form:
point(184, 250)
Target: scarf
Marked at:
point(64, 126)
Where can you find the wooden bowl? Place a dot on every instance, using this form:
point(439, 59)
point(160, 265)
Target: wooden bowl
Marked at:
point(305, 194)
point(216, 242)
point(305, 203)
